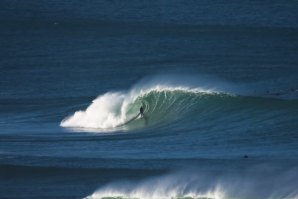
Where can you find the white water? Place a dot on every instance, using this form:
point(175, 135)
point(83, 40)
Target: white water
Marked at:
point(101, 113)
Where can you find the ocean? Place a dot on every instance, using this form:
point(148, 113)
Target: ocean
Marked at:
point(217, 80)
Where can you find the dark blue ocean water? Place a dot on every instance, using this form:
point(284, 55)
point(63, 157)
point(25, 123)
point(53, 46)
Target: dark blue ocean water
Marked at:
point(218, 82)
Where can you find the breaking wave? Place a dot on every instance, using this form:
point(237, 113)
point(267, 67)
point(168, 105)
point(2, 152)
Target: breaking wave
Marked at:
point(256, 182)
point(113, 109)
point(166, 102)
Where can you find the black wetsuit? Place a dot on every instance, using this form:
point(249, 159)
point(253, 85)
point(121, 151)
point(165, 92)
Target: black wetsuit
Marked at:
point(142, 111)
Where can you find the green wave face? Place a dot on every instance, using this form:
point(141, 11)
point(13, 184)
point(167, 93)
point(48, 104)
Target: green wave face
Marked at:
point(173, 106)
point(163, 107)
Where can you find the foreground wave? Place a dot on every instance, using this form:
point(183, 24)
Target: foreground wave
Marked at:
point(257, 182)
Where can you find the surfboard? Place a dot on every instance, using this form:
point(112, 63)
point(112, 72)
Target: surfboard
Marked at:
point(132, 119)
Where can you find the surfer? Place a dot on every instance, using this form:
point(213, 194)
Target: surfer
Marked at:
point(142, 111)
point(143, 115)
